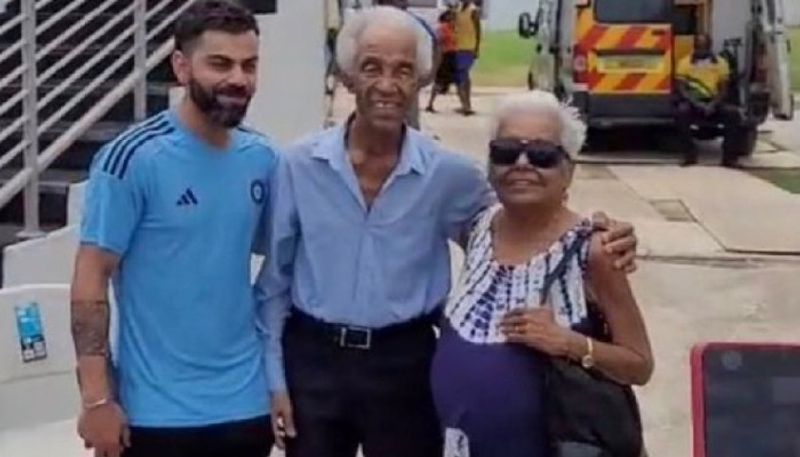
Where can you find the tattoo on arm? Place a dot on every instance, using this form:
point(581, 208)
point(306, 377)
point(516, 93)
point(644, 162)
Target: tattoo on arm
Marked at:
point(90, 320)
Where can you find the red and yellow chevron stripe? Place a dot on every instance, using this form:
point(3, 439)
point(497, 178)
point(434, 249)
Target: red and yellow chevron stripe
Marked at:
point(604, 44)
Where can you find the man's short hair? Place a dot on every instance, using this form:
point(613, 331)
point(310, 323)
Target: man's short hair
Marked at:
point(347, 43)
point(211, 15)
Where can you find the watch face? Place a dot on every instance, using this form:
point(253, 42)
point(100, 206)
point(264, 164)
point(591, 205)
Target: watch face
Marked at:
point(587, 362)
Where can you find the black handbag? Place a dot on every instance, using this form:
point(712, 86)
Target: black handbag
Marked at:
point(588, 414)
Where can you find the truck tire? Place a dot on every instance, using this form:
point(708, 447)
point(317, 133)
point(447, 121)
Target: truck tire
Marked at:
point(739, 142)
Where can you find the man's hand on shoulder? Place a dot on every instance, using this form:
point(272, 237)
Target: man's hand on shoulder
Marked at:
point(619, 239)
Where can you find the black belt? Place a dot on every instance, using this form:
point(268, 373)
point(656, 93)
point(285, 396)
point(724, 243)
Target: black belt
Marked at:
point(356, 337)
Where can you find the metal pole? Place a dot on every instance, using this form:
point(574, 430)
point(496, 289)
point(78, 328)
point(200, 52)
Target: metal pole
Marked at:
point(140, 60)
point(31, 193)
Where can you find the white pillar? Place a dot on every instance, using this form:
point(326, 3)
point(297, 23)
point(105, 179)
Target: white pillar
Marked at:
point(290, 99)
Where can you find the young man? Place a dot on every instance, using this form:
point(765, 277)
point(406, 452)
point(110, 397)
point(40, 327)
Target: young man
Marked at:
point(171, 213)
point(359, 262)
point(468, 45)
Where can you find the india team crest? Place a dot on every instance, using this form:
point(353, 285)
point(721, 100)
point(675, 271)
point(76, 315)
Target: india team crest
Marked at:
point(257, 191)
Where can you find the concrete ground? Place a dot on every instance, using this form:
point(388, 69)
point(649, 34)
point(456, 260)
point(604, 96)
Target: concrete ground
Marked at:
point(707, 269)
point(784, 135)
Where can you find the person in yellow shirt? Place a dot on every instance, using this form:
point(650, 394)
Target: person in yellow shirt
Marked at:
point(702, 80)
point(468, 43)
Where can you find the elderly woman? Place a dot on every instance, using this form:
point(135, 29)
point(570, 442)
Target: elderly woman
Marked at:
point(499, 328)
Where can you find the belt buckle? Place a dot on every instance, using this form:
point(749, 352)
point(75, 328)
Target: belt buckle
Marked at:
point(355, 338)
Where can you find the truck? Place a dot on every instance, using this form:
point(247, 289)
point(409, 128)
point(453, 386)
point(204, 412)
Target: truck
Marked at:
point(615, 60)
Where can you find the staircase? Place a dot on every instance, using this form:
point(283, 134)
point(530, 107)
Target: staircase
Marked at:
point(68, 38)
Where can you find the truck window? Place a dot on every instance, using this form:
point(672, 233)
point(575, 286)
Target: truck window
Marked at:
point(627, 11)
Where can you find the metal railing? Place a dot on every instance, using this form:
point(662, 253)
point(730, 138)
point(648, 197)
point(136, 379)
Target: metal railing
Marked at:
point(138, 45)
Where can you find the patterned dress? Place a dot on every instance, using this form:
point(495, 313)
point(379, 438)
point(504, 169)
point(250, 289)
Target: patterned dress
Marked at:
point(488, 393)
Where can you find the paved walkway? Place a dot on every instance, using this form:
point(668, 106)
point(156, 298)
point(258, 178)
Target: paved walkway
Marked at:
point(784, 135)
point(741, 212)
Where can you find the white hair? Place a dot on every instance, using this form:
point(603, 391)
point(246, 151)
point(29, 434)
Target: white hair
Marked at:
point(573, 129)
point(348, 40)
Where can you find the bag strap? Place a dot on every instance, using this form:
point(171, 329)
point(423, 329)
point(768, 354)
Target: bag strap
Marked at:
point(558, 271)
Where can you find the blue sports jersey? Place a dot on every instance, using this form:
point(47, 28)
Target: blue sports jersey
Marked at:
point(183, 218)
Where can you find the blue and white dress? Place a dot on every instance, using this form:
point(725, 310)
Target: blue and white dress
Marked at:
point(488, 392)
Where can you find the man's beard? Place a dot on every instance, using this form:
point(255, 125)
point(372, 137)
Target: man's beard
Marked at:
point(225, 115)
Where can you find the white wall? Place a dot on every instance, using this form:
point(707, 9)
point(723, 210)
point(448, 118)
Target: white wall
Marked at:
point(38, 400)
point(289, 102)
point(40, 391)
point(47, 260)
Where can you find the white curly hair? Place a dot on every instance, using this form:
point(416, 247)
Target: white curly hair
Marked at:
point(573, 129)
point(354, 27)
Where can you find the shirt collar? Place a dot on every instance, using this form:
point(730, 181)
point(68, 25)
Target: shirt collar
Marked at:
point(333, 148)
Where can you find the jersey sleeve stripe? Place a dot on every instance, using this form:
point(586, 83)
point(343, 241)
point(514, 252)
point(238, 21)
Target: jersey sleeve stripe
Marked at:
point(128, 153)
point(128, 136)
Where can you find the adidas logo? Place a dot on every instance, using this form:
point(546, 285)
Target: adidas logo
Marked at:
point(187, 199)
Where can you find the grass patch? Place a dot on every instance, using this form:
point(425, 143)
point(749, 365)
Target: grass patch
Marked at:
point(504, 60)
point(787, 179)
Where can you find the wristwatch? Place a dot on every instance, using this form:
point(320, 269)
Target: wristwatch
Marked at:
point(587, 361)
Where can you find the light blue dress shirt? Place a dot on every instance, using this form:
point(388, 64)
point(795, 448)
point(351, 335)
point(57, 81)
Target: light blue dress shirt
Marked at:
point(333, 257)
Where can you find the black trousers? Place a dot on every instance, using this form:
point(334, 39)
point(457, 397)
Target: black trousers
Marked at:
point(377, 398)
point(688, 115)
point(248, 438)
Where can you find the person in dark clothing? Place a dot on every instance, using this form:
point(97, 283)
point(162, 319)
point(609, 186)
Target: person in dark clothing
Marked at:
point(702, 80)
point(445, 74)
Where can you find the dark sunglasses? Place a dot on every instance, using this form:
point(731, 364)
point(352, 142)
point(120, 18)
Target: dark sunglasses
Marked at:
point(540, 153)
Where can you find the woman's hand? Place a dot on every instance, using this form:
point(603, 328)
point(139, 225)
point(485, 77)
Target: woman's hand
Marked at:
point(538, 329)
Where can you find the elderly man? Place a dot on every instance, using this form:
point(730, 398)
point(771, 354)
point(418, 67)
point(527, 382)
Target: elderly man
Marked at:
point(359, 264)
point(412, 117)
